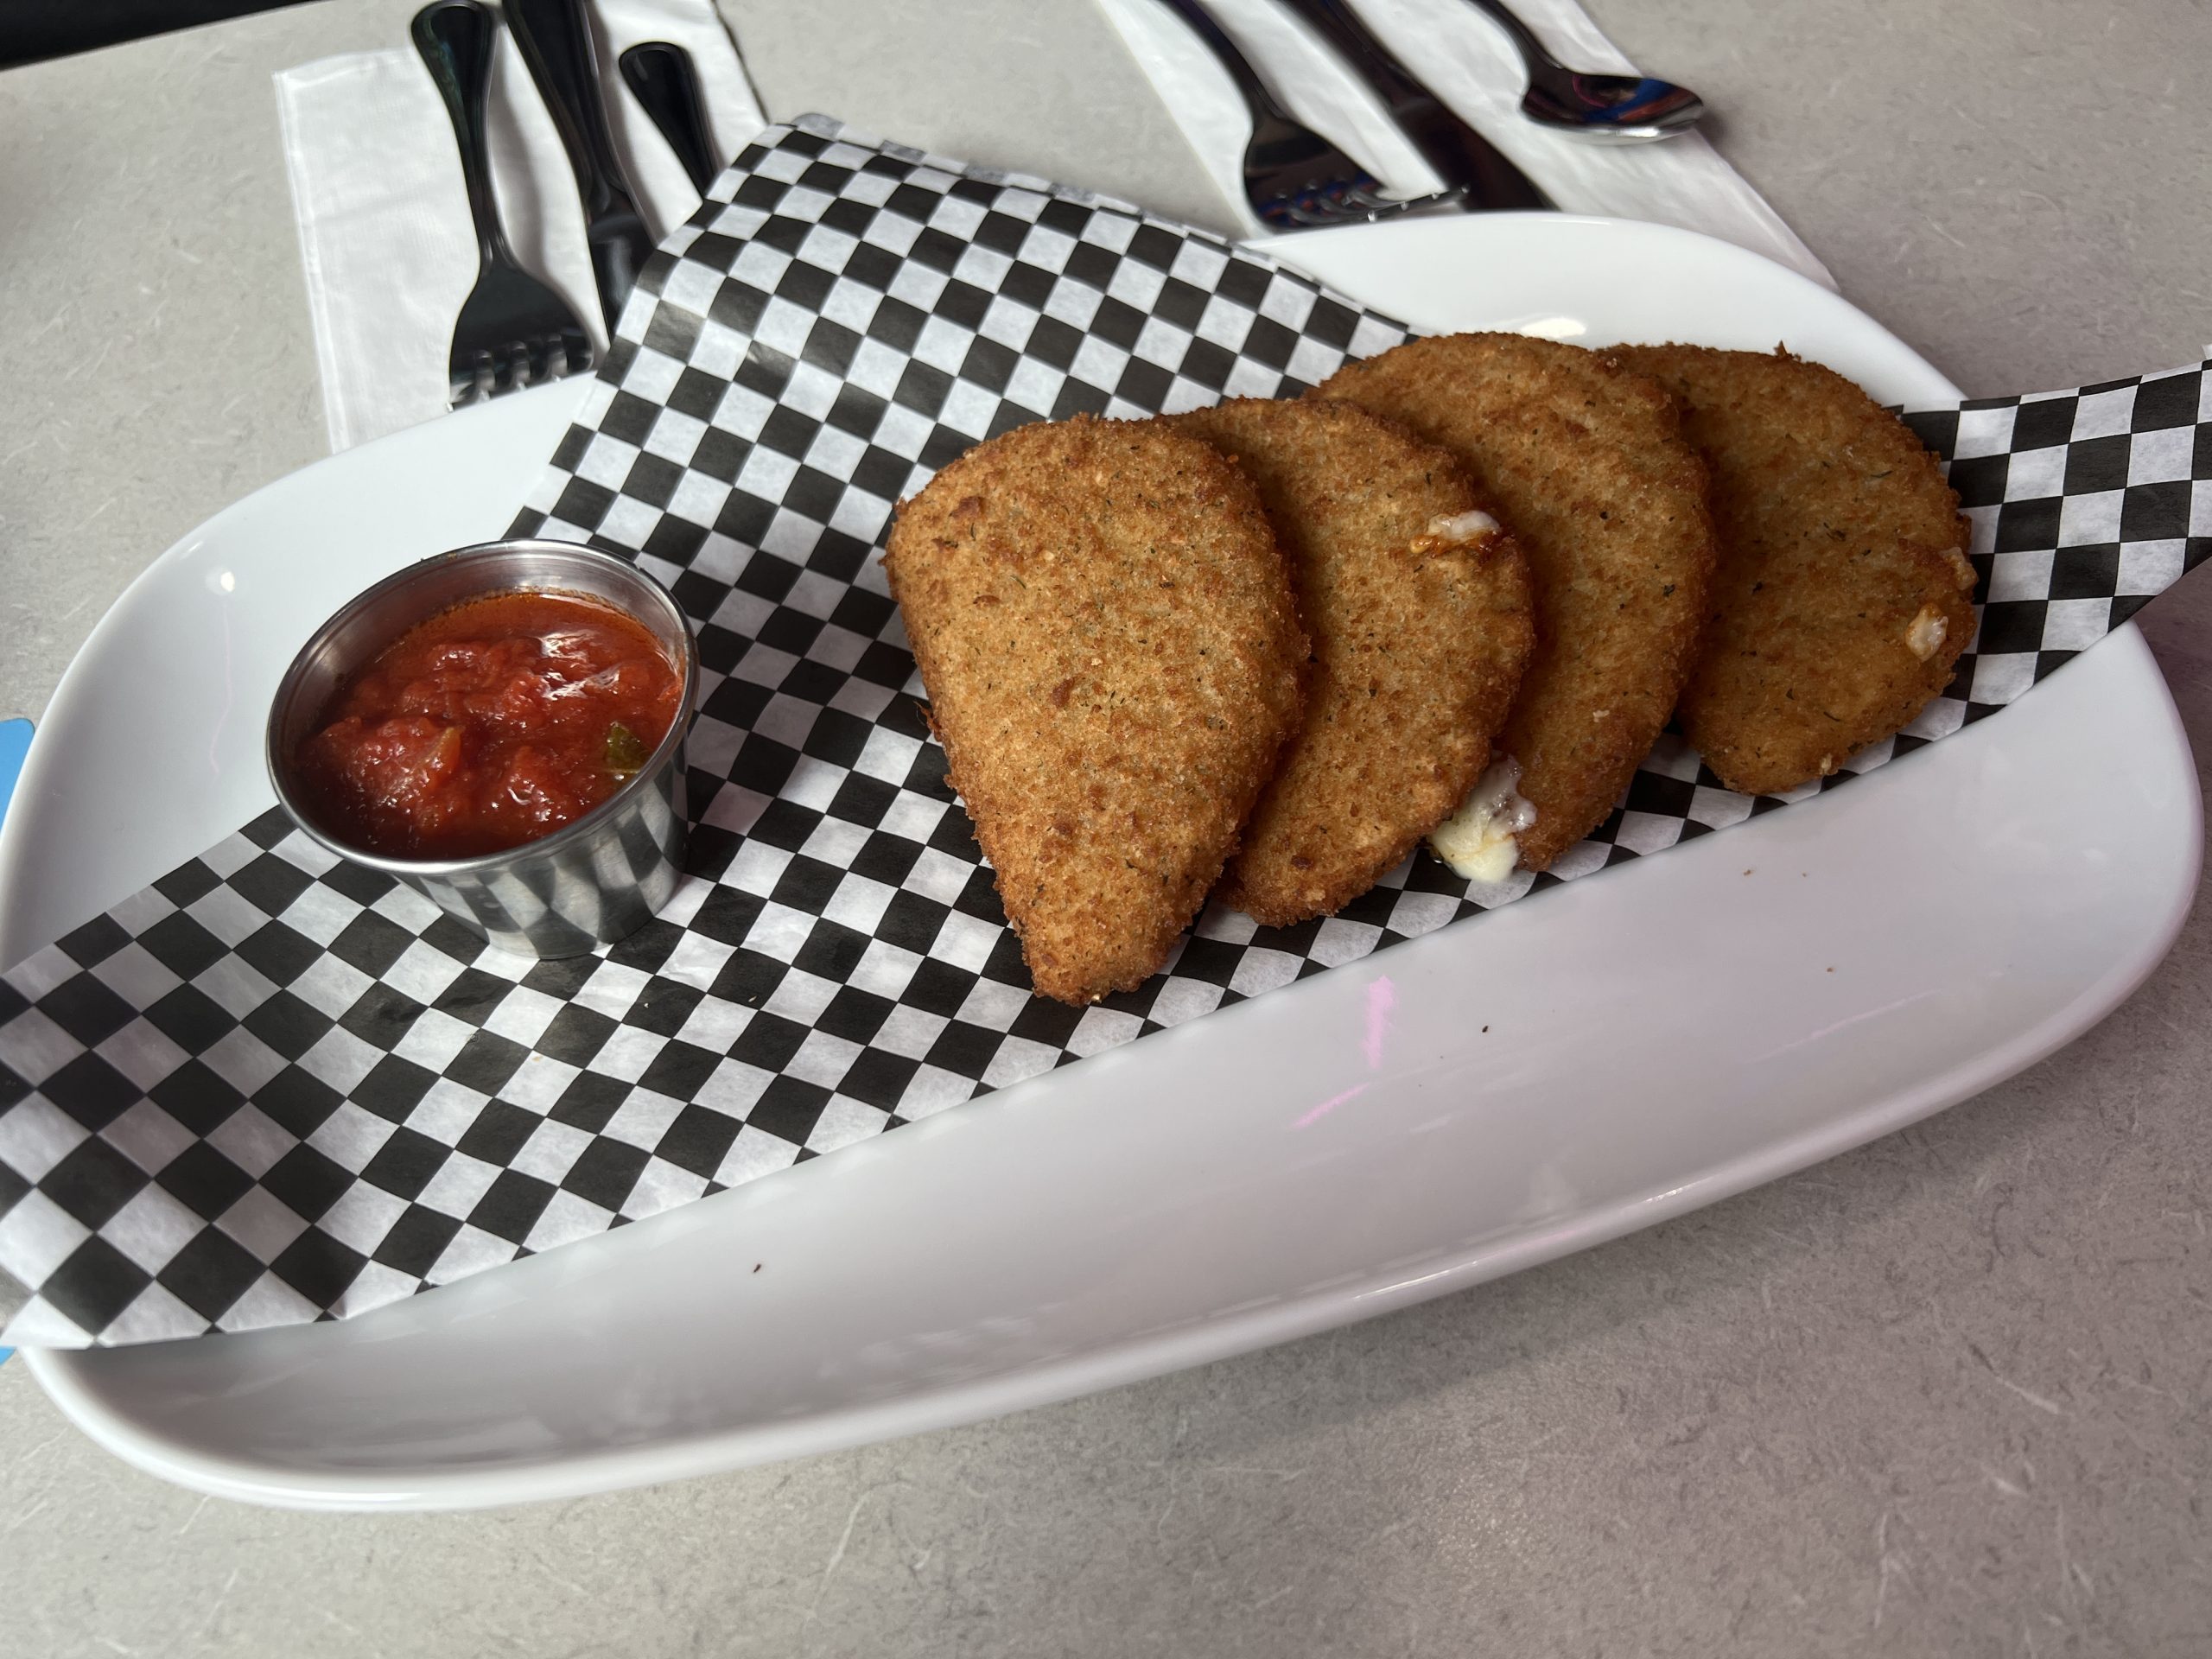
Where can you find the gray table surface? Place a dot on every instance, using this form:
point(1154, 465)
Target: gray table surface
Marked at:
point(1947, 1394)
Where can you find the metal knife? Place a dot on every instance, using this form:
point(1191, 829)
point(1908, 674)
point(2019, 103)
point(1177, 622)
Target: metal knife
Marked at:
point(555, 36)
point(1460, 154)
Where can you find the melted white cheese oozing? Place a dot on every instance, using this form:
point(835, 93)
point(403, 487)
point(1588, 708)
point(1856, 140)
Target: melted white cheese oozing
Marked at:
point(1479, 840)
point(1462, 526)
point(1924, 635)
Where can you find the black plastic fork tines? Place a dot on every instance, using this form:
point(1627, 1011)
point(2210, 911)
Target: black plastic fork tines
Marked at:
point(513, 331)
point(1293, 177)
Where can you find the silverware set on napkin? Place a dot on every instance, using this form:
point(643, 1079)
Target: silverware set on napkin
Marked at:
point(513, 330)
point(1295, 179)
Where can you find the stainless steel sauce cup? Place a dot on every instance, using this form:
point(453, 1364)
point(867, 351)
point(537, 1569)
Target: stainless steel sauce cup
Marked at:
point(589, 882)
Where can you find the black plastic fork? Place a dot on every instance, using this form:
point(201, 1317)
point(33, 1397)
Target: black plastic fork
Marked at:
point(513, 331)
point(1293, 177)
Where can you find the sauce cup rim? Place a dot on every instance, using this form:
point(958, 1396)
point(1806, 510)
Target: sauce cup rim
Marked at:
point(289, 688)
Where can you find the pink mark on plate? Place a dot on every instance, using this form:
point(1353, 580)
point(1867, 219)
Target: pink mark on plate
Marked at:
point(1382, 998)
point(1331, 1105)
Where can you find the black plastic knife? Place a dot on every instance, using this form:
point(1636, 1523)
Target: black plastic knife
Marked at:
point(1461, 156)
point(555, 36)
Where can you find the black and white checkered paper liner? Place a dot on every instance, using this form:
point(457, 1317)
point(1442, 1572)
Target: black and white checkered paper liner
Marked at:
point(274, 1088)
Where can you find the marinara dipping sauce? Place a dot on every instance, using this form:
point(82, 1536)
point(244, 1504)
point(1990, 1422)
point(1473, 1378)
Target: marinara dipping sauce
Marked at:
point(490, 724)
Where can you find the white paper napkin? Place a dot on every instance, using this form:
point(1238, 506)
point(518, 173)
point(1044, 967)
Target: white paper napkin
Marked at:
point(1466, 60)
point(383, 216)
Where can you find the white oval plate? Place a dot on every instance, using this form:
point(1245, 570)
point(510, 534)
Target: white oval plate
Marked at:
point(1619, 1050)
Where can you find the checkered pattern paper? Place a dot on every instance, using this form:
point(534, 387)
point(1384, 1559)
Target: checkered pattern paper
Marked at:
point(274, 1088)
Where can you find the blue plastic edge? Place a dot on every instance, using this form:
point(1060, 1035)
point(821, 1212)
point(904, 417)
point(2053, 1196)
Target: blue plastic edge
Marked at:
point(15, 744)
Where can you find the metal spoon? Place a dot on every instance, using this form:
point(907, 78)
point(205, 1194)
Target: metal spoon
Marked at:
point(1618, 109)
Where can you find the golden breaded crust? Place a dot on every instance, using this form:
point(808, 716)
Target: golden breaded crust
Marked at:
point(1419, 643)
point(1106, 630)
point(1843, 596)
point(1588, 465)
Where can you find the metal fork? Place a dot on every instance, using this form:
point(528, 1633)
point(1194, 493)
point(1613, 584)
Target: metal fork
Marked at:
point(513, 331)
point(1293, 177)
